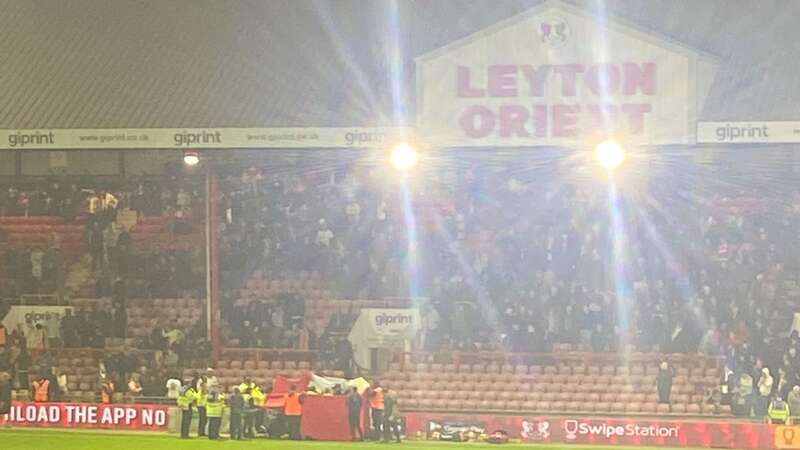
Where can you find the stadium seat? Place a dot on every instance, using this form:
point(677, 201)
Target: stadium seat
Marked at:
point(602, 407)
point(633, 408)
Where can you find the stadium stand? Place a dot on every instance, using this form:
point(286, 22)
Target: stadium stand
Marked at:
point(520, 313)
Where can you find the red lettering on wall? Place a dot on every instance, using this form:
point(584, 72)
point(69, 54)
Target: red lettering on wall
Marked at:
point(512, 120)
point(463, 84)
point(564, 120)
point(536, 78)
point(569, 74)
point(603, 79)
point(502, 81)
point(636, 114)
point(540, 120)
point(639, 78)
point(479, 113)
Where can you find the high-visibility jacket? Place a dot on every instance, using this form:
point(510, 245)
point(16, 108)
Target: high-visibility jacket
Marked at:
point(106, 391)
point(40, 390)
point(293, 406)
point(244, 387)
point(214, 405)
point(376, 399)
point(202, 398)
point(258, 397)
point(186, 397)
point(778, 411)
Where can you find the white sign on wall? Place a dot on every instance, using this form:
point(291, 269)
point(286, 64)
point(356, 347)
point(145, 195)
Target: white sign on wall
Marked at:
point(25, 317)
point(383, 328)
point(213, 138)
point(748, 132)
point(556, 75)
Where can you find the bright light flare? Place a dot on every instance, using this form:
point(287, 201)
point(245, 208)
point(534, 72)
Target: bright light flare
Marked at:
point(609, 154)
point(404, 157)
point(191, 159)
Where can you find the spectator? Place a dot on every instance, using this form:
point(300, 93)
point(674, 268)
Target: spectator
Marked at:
point(765, 384)
point(63, 385)
point(173, 388)
point(664, 382)
point(743, 395)
point(794, 401)
point(134, 386)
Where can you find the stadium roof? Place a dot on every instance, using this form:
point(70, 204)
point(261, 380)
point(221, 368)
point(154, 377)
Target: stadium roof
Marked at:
point(252, 63)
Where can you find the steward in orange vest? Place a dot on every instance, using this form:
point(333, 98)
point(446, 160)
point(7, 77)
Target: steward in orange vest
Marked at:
point(375, 396)
point(40, 390)
point(106, 391)
point(293, 410)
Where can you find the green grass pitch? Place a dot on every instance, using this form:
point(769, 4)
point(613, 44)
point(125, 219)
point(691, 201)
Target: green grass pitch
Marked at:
point(30, 439)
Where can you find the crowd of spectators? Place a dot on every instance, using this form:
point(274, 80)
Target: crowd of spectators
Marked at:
point(75, 197)
point(516, 255)
point(119, 270)
point(149, 364)
point(96, 204)
point(522, 261)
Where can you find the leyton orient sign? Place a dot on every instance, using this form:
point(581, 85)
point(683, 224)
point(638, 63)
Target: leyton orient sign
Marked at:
point(556, 75)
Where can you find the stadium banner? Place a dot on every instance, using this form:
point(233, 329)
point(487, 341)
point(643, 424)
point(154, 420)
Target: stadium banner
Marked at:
point(602, 431)
point(195, 138)
point(748, 132)
point(386, 328)
point(20, 317)
point(325, 418)
point(542, 78)
point(87, 415)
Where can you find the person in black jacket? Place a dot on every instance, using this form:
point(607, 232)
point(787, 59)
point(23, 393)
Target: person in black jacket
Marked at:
point(5, 393)
point(664, 382)
point(354, 415)
point(236, 403)
point(391, 417)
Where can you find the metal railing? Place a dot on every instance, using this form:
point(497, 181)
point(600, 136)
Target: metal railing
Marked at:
point(410, 359)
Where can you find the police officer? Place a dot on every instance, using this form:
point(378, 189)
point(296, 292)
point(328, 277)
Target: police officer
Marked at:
point(186, 397)
point(257, 399)
point(246, 386)
point(215, 404)
point(778, 411)
point(201, 386)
